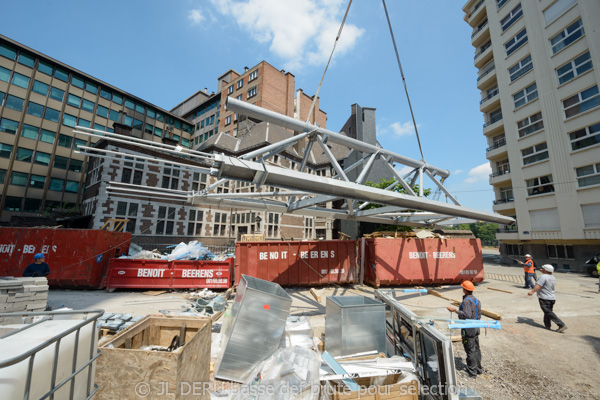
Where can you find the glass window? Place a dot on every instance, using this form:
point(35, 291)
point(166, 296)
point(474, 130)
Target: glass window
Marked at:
point(535, 153)
point(567, 36)
point(520, 68)
point(540, 185)
point(76, 165)
point(140, 108)
point(252, 92)
point(60, 162)
point(56, 184)
point(574, 68)
point(72, 186)
point(2, 175)
point(151, 113)
point(158, 132)
point(47, 136)
point(45, 67)
point(585, 137)
point(526, 95)
point(77, 82)
point(148, 128)
point(530, 124)
point(588, 175)
point(80, 142)
point(5, 150)
point(99, 127)
point(129, 104)
point(117, 98)
point(511, 18)
point(84, 122)
point(159, 116)
point(51, 114)
point(65, 141)
point(57, 94)
point(240, 83)
point(42, 158)
point(26, 59)
point(25, 155)
point(4, 74)
point(69, 120)
point(12, 203)
point(61, 74)
point(253, 75)
point(114, 115)
point(41, 88)
point(37, 181)
point(35, 109)
point(582, 101)
point(515, 42)
point(19, 178)
point(557, 9)
point(8, 51)
point(73, 100)
point(137, 124)
point(105, 94)
point(20, 80)
point(14, 102)
point(32, 205)
point(8, 125)
point(2, 95)
point(91, 87)
point(87, 105)
point(128, 120)
point(102, 111)
point(30, 132)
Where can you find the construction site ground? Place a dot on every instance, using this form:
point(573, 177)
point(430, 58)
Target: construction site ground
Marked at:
point(523, 360)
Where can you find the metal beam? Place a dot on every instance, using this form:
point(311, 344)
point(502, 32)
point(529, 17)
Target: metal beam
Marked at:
point(442, 188)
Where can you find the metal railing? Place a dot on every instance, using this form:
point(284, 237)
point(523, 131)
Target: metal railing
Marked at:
point(493, 120)
point(507, 230)
point(31, 353)
point(503, 201)
point(489, 96)
point(475, 8)
point(500, 173)
point(479, 28)
point(499, 143)
point(483, 49)
point(490, 69)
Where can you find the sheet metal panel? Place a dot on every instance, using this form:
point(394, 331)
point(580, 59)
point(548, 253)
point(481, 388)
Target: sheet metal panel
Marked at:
point(77, 258)
point(411, 261)
point(253, 329)
point(310, 263)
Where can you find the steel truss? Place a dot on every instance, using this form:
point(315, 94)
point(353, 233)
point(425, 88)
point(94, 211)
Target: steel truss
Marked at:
point(303, 192)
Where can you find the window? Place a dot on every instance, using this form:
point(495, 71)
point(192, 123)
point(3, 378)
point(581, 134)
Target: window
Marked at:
point(62, 75)
point(127, 120)
point(114, 115)
point(35, 109)
point(45, 67)
point(517, 41)
point(24, 155)
point(20, 80)
point(117, 98)
point(47, 136)
point(166, 220)
point(14, 102)
point(574, 68)
point(56, 184)
point(308, 227)
point(26, 59)
point(42, 158)
point(12, 203)
point(159, 116)
point(137, 124)
point(51, 114)
point(4, 74)
point(60, 162)
point(57, 94)
point(151, 113)
point(8, 125)
point(253, 75)
point(220, 224)
point(132, 172)
point(2, 95)
point(540, 185)
point(511, 18)
point(228, 120)
point(65, 141)
point(2, 175)
point(140, 108)
point(531, 124)
point(91, 87)
point(581, 102)
point(73, 100)
point(69, 120)
point(102, 111)
point(37, 181)
point(252, 92)
point(240, 97)
point(158, 132)
point(148, 129)
point(105, 94)
point(557, 9)
point(585, 137)
point(170, 179)
point(76, 165)
point(273, 225)
point(77, 82)
point(5, 150)
point(19, 178)
point(87, 105)
point(195, 219)
point(520, 68)
point(506, 195)
point(30, 132)
point(41, 88)
point(500, 3)
point(8, 51)
point(72, 186)
point(239, 84)
point(535, 153)
point(567, 36)
point(526, 95)
point(588, 175)
point(563, 251)
point(32, 205)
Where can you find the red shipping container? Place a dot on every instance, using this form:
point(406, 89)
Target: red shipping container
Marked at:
point(78, 258)
point(422, 261)
point(162, 274)
point(311, 263)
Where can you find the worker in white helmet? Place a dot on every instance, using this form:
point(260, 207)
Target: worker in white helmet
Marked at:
point(544, 287)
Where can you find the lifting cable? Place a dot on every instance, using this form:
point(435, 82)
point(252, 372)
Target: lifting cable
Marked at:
point(403, 80)
point(312, 106)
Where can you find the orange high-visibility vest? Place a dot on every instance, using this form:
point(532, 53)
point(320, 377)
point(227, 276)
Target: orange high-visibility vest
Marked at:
point(529, 268)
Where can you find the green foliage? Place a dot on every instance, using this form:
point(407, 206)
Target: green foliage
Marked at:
point(485, 232)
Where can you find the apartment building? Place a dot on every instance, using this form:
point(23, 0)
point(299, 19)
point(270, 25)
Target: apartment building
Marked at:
point(538, 72)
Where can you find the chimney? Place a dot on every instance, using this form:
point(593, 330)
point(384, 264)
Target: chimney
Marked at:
point(205, 90)
point(246, 69)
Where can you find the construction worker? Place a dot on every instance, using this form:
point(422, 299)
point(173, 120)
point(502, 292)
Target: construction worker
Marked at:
point(529, 267)
point(598, 269)
point(470, 308)
point(545, 289)
point(38, 267)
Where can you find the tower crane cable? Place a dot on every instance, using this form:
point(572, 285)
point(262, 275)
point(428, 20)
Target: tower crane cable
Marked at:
point(403, 79)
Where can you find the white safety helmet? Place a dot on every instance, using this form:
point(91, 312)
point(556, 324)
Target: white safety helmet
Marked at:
point(527, 255)
point(548, 268)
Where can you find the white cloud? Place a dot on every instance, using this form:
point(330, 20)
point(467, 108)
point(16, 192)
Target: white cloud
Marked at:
point(404, 170)
point(299, 31)
point(479, 173)
point(399, 129)
point(196, 16)
point(458, 171)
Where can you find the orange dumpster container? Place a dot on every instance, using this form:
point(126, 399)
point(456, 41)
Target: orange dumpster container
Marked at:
point(412, 261)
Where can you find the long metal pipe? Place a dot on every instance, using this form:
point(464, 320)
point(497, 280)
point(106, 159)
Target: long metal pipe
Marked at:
point(299, 126)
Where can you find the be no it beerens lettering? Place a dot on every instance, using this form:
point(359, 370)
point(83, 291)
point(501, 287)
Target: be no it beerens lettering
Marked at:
point(283, 255)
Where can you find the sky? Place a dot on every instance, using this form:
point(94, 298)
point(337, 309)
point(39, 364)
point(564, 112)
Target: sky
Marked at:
point(165, 51)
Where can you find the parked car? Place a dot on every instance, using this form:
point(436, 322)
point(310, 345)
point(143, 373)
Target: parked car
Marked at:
point(590, 265)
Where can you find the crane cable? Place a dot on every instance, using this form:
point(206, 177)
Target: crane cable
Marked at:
point(312, 106)
point(403, 79)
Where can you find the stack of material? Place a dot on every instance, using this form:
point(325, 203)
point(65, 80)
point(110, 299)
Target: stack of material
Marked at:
point(23, 294)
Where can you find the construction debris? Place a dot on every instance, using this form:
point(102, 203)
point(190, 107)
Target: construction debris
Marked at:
point(23, 294)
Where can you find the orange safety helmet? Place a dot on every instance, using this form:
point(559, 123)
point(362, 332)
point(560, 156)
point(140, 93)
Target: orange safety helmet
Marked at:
point(468, 285)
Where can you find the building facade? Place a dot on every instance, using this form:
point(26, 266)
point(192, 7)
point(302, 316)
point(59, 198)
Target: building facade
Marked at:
point(539, 71)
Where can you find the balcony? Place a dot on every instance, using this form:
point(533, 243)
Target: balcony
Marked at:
point(492, 120)
point(490, 102)
point(503, 201)
point(496, 145)
point(480, 34)
point(493, 126)
point(483, 49)
point(486, 77)
point(500, 176)
point(476, 12)
point(497, 150)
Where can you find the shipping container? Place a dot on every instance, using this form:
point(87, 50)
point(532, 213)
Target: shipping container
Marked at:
point(311, 263)
point(130, 273)
point(412, 261)
point(78, 258)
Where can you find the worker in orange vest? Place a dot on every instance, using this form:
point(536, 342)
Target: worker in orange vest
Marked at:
point(470, 308)
point(529, 267)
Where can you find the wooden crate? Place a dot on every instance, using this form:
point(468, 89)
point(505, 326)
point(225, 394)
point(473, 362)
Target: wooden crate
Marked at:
point(391, 389)
point(123, 371)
